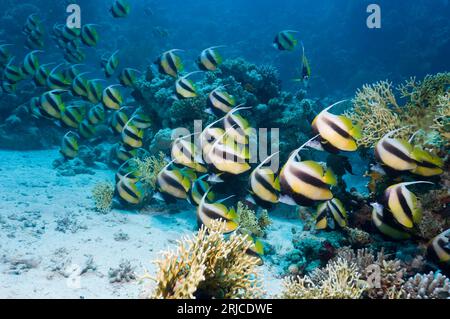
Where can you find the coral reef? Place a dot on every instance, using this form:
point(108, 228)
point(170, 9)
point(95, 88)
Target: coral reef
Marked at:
point(250, 222)
point(103, 196)
point(340, 279)
point(430, 286)
point(208, 266)
point(123, 273)
point(377, 110)
point(148, 168)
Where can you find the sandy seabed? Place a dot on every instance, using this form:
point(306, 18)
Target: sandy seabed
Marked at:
point(53, 244)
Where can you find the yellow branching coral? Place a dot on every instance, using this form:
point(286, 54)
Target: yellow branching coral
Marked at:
point(248, 220)
point(340, 279)
point(378, 111)
point(149, 167)
point(208, 266)
point(103, 196)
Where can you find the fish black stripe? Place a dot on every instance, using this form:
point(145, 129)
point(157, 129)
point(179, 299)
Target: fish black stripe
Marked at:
point(110, 94)
point(132, 134)
point(427, 164)
point(70, 145)
point(172, 182)
point(71, 116)
point(286, 38)
point(337, 129)
point(171, 62)
point(211, 58)
point(212, 214)
point(404, 203)
point(185, 86)
point(308, 179)
point(221, 99)
point(396, 152)
point(129, 191)
point(444, 245)
point(264, 183)
point(121, 7)
point(336, 209)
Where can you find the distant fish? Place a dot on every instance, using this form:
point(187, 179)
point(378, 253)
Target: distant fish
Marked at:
point(169, 63)
point(220, 102)
point(5, 55)
point(305, 73)
point(337, 132)
point(209, 59)
point(141, 119)
point(285, 41)
point(69, 146)
point(41, 75)
point(30, 63)
point(119, 119)
point(128, 77)
point(186, 88)
point(112, 98)
point(73, 115)
point(70, 33)
point(125, 152)
point(89, 35)
point(330, 214)
point(52, 104)
point(56, 79)
point(96, 114)
point(86, 129)
point(120, 9)
point(94, 91)
point(79, 86)
point(110, 64)
point(13, 73)
point(132, 135)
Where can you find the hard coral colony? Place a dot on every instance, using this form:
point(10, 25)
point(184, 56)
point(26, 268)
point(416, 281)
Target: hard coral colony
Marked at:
point(387, 239)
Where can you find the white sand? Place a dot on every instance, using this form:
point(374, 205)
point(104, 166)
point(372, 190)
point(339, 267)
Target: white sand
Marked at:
point(35, 258)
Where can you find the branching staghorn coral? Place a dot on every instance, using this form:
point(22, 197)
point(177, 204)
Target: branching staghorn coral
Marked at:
point(378, 111)
point(340, 279)
point(249, 221)
point(149, 167)
point(208, 266)
point(103, 196)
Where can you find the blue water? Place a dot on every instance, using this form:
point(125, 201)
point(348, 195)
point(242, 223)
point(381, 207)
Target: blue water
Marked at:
point(414, 39)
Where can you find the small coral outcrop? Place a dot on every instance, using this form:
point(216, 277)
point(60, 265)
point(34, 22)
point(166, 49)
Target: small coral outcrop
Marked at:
point(103, 196)
point(430, 286)
point(148, 168)
point(340, 279)
point(208, 266)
